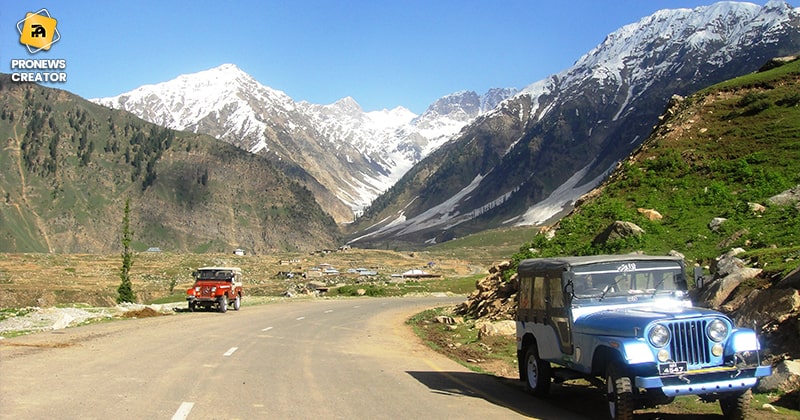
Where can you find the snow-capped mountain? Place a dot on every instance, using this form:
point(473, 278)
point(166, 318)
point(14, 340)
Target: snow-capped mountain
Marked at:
point(529, 159)
point(348, 156)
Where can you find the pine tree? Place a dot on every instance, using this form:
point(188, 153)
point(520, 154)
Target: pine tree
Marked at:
point(125, 289)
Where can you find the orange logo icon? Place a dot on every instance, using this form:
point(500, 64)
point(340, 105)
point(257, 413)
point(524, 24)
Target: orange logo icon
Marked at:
point(38, 31)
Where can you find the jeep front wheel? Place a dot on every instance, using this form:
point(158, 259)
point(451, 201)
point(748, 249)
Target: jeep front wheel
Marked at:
point(237, 303)
point(223, 303)
point(619, 392)
point(735, 406)
point(537, 373)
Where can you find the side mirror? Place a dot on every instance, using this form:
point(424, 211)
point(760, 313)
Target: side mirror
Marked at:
point(699, 278)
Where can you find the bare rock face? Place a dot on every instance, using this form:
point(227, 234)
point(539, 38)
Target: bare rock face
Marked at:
point(766, 307)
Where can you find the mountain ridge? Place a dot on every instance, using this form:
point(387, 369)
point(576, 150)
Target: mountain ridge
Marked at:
point(71, 164)
point(364, 152)
point(509, 168)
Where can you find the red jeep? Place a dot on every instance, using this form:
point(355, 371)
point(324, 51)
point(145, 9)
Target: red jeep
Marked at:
point(216, 286)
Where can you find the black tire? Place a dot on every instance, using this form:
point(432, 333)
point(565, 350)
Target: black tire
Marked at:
point(619, 392)
point(192, 306)
point(736, 405)
point(538, 375)
point(237, 303)
point(223, 303)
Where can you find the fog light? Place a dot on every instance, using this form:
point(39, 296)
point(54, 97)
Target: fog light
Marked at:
point(663, 355)
point(717, 349)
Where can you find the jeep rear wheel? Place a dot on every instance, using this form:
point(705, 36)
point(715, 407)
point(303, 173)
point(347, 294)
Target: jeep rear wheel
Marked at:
point(735, 406)
point(223, 303)
point(237, 303)
point(619, 392)
point(537, 373)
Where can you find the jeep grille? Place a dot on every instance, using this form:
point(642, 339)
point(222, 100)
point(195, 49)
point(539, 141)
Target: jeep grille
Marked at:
point(689, 342)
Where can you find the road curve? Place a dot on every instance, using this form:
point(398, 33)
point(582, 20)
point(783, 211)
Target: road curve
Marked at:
point(323, 359)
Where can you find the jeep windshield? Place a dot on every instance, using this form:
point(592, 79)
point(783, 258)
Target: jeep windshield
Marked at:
point(626, 278)
point(214, 275)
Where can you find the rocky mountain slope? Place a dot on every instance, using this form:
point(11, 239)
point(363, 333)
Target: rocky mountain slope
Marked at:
point(527, 161)
point(70, 165)
point(345, 155)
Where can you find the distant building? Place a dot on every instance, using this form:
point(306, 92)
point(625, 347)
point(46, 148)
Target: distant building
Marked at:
point(238, 251)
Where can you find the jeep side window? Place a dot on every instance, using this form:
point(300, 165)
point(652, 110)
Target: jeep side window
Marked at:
point(524, 306)
point(539, 300)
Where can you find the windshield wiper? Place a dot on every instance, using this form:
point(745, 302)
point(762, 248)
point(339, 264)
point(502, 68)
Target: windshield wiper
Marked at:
point(655, 289)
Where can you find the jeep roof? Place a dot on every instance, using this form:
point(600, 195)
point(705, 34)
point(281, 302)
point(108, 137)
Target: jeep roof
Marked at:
point(537, 264)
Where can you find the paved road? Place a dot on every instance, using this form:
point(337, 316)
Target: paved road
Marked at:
point(322, 359)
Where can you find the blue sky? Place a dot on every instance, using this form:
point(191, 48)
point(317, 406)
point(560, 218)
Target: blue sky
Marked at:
point(383, 53)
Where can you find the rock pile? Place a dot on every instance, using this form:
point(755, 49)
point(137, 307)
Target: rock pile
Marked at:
point(494, 298)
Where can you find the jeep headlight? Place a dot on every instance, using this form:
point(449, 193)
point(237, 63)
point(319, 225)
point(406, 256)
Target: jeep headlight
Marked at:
point(659, 336)
point(717, 330)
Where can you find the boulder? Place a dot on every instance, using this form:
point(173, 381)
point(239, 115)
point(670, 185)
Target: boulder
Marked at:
point(716, 222)
point(729, 272)
point(618, 230)
point(791, 280)
point(767, 307)
point(785, 378)
point(650, 214)
point(756, 208)
point(506, 327)
point(786, 198)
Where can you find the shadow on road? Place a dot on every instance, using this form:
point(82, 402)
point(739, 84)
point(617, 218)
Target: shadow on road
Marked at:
point(565, 400)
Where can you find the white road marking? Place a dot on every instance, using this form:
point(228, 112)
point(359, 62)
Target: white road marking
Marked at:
point(183, 411)
point(230, 351)
point(267, 329)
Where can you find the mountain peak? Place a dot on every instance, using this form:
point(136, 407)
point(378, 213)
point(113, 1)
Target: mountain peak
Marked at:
point(348, 104)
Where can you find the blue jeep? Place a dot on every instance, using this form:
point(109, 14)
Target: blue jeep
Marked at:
point(628, 319)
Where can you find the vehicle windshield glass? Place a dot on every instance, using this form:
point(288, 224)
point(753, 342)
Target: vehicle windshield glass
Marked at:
point(214, 275)
point(627, 278)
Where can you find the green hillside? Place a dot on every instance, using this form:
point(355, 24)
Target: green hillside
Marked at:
point(69, 165)
point(713, 155)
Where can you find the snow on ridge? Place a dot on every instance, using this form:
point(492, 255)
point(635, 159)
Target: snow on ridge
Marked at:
point(694, 28)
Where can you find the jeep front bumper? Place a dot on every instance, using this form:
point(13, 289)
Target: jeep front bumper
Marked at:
point(707, 381)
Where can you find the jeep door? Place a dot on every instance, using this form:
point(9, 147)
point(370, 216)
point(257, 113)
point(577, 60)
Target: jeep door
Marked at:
point(544, 309)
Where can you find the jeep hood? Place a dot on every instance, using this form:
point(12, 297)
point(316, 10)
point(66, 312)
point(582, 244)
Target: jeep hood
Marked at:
point(624, 322)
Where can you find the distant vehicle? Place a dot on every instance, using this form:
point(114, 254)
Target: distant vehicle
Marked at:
point(216, 287)
point(627, 319)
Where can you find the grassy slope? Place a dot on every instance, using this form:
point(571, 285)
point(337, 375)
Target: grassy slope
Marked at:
point(725, 147)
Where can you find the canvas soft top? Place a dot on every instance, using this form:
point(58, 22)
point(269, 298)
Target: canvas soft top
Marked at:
point(234, 269)
point(554, 263)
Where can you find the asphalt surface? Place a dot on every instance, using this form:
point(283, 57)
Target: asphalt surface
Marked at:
point(321, 359)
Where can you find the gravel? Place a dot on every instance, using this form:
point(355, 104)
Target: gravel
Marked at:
point(35, 319)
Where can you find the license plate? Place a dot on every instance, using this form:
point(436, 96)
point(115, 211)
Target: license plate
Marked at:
point(672, 368)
